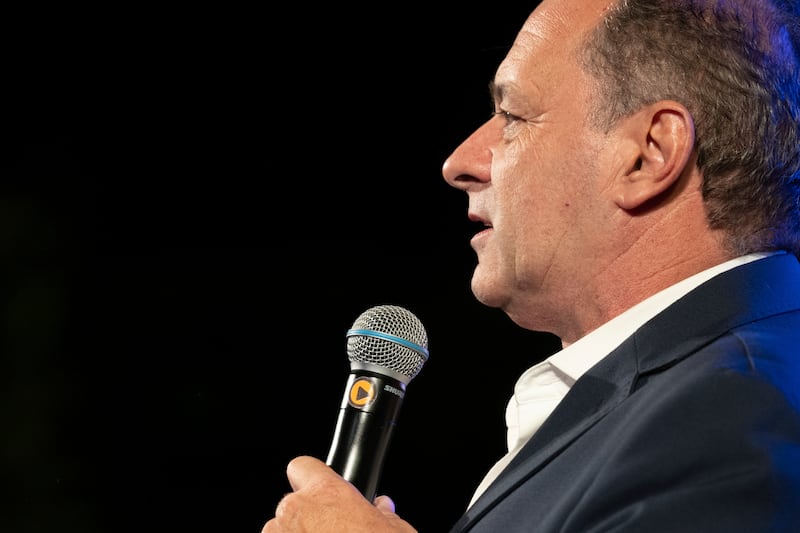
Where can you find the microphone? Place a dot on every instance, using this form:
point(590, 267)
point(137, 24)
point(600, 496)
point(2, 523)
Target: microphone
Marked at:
point(387, 346)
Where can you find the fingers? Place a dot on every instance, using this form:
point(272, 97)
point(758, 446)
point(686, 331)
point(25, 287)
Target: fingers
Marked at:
point(385, 504)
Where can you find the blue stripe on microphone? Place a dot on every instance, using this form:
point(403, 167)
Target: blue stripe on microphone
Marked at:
point(391, 338)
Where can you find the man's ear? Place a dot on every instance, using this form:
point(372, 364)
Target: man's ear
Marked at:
point(662, 138)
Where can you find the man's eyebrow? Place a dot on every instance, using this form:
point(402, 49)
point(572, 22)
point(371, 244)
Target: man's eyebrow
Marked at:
point(495, 91)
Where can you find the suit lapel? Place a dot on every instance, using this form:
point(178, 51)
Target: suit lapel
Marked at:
point(588, 401)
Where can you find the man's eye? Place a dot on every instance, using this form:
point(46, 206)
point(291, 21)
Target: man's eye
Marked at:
point(508, 117)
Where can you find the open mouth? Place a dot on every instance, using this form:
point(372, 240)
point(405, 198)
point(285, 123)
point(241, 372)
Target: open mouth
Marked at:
point(478, 224)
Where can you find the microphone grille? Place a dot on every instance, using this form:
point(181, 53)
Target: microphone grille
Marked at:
point(391, 337)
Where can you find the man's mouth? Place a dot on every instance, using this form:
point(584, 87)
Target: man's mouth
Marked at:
point(479, 224)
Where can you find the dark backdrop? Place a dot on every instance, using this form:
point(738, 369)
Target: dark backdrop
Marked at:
point(196, 205)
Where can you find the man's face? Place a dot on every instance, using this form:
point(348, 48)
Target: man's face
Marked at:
point(535, 173)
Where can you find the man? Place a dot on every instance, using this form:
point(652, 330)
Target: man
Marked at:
point(639, 184)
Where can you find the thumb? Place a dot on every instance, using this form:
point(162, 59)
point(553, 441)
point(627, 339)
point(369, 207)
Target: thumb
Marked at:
point(303, 469)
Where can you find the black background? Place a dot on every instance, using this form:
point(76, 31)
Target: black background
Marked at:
point(196, 205)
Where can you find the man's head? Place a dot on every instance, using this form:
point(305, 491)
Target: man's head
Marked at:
point(590, 175)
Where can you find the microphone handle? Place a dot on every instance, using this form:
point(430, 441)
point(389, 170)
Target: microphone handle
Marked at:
point(364, 428)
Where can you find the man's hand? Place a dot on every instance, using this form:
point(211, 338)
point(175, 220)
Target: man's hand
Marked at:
point(323, 501)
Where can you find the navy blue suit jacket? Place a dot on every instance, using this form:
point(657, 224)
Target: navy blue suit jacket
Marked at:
point(692, 424)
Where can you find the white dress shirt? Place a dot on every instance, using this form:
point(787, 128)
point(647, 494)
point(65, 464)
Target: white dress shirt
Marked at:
point(541, 387)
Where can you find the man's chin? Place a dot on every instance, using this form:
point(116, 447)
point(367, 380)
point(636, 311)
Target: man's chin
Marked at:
point(487, 290)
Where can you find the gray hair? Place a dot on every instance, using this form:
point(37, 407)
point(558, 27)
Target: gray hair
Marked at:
point(734, 64)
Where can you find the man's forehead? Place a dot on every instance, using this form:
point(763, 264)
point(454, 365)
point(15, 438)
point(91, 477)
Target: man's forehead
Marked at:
point(562, 19)
point(551, 34)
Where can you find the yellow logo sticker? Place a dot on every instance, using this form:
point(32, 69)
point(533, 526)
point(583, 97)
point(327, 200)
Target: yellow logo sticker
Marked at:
point(362, 392)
